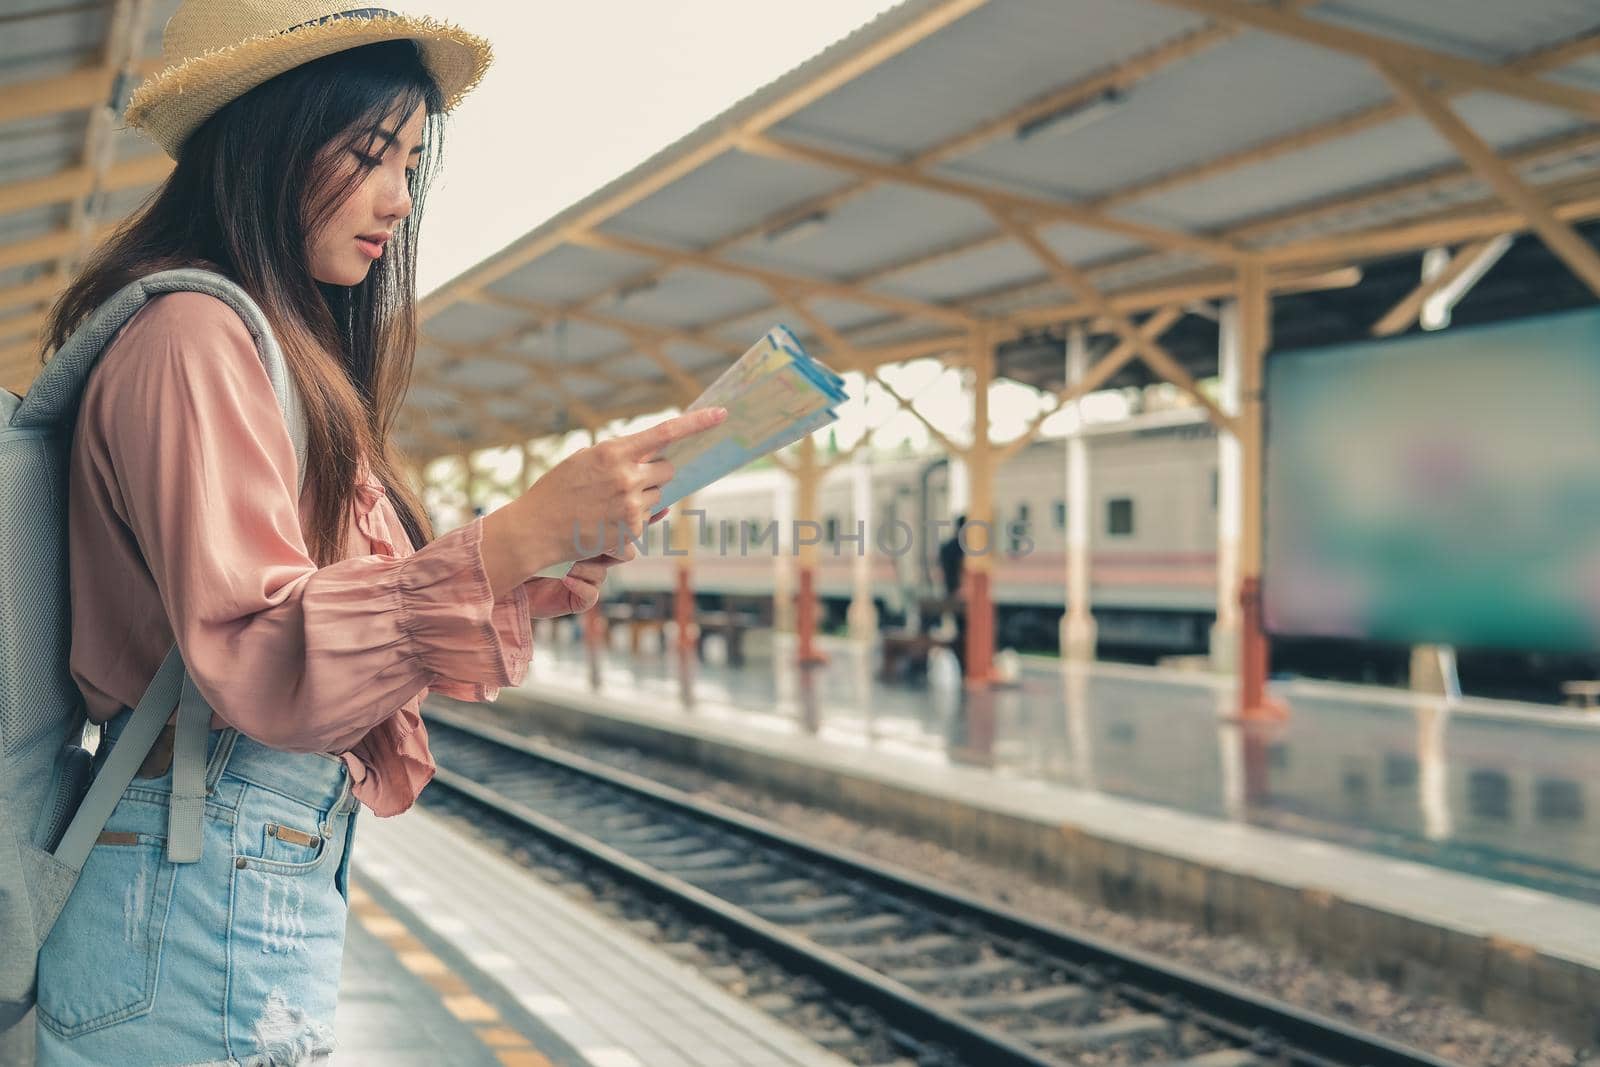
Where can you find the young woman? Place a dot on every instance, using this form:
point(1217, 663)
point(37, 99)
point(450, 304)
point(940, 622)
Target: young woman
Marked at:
point(312, 624)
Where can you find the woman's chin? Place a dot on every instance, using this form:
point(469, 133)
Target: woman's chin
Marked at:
point(352, 273)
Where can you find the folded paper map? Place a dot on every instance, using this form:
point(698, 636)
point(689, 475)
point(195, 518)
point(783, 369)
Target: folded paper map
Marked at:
point(775, 394)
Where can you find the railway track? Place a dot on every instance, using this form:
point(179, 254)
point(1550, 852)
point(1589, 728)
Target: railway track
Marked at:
point(957, 979)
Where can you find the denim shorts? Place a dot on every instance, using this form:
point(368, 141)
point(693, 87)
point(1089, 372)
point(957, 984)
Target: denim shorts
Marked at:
point(233, 960)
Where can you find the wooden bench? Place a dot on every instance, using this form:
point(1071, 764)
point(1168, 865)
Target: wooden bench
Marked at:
point(731, 620)
point(1584, 693)
point(642, 613)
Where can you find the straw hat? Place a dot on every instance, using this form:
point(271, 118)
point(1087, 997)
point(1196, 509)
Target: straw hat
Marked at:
point(214, 51)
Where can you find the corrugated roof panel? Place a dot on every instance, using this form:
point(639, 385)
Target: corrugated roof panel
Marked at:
point(431, 398)
point(1227, 98)
point(1403, 148)
point(124, 202)
point(688, 297)
point(485, 374)
point(470, 324)
point(887, 224)
point(57, 40)
point(1000, 263)
point(36, 148)
point(568, 273)
point(731, 193)
point(1584, 74)
point(509, 408)
point(840, 314)
point(25, 225)
point(572, 341)
point(1487, 30)
point(996, 58)
point(693, 358)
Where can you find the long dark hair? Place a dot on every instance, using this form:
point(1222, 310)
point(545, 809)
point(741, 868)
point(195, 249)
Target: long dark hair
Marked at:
point(251, 184)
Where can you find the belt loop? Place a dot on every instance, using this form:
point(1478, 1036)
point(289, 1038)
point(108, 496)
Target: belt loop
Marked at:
point(219, 757)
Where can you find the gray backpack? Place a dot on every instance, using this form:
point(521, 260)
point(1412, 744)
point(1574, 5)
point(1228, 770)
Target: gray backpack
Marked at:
point(50, 813)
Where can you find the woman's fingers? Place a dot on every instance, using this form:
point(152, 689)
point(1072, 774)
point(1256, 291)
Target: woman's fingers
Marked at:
point(656, 473)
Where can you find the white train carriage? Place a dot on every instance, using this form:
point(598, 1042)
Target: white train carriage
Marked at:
point(1153, 485)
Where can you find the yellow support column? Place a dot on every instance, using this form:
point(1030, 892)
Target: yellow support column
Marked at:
point(1255, 336)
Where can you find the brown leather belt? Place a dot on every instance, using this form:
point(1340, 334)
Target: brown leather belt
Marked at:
point(159, 760)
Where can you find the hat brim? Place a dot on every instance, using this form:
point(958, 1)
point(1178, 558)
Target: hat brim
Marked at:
point(172, 103)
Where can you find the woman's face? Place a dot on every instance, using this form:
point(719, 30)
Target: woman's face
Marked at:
point(382, 162)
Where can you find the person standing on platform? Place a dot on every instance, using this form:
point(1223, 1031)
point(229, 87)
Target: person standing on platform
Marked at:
point(314, 623)
point(951, 561)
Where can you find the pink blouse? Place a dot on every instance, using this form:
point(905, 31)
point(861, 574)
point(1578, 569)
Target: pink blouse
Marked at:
point(182, 506)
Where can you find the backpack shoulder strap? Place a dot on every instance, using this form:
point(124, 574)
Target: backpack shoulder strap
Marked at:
point(53, 399)
point(54, 395)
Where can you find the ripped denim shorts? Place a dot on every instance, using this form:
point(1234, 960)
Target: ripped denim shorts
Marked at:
point(233, 960)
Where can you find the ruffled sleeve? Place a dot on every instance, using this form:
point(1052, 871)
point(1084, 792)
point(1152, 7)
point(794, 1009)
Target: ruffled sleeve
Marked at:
point(299, 657)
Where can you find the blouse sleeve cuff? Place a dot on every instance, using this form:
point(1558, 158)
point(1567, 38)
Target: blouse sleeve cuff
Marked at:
point(457, 630)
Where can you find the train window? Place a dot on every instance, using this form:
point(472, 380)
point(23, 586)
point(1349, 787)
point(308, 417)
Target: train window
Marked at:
point(1559, 798)
point(1399, 770)
point(1061, 514)
point(1020, 528)
point(1119, 517)
point(1489, 795)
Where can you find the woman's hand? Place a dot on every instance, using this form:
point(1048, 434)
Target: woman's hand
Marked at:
point(590, 504)
point(579, 590)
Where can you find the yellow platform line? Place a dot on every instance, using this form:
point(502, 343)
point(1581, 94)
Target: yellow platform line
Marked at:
point(509, 1045)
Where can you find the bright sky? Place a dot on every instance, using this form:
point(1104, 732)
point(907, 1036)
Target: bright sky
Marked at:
point(581, 93)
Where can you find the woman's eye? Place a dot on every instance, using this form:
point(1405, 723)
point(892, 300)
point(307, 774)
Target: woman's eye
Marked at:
point(366, 160)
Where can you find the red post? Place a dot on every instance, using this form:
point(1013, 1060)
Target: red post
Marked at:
point(1254, 657)
point(980, 628)
point(683, 610)
point(805, 618)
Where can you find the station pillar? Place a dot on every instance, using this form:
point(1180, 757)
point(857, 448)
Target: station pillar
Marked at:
point(863, 614)
point(682, 539)
point(808, 479)
point(783, 620)
point(1230, 501)
point(1078, 630)
point(978, 567)
point(1255, 326)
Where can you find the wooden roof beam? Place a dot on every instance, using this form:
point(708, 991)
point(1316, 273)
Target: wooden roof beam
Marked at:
point(1075, 281)
point(1392, 53)
point(1467, 259)
point(1572, 249)
point(1104, 369)
point(907, 405)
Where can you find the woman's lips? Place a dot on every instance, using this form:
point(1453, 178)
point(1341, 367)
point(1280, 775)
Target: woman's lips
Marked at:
point(371, 248)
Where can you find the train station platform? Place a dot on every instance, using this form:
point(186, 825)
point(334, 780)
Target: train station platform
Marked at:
point(1449, 848)
point(457, 955)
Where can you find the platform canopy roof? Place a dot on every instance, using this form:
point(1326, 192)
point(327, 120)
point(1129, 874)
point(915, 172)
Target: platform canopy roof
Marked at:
point(959, 173)
point(67, 168)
